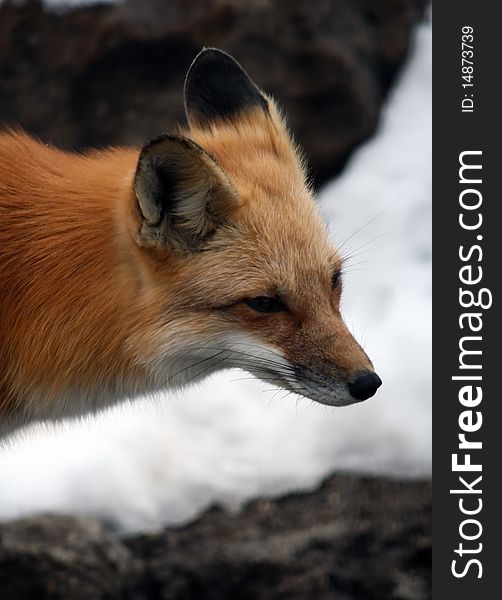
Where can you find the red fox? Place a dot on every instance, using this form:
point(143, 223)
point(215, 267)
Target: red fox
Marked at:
point(127, 271)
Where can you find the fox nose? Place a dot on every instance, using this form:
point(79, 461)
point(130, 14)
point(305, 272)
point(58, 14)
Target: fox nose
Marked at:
point(364, 385)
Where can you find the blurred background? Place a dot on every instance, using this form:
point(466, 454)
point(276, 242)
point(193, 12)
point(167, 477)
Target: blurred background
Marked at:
point(354, 79)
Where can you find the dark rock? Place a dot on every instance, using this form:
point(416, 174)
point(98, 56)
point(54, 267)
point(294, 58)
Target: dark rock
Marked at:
point(354, 538)
point(62, 557)
point(114, 74)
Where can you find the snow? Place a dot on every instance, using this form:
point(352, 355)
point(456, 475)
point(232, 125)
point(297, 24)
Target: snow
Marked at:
point(151, 463)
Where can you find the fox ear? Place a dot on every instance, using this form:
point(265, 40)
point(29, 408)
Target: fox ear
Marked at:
point(182, 192)
point(217, 88)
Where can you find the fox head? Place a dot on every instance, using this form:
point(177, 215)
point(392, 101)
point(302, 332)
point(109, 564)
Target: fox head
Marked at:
point(238, 262)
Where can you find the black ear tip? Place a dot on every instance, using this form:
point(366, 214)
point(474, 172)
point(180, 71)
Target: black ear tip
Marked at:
point(211, 62)
point(213, 54)
point(216, 87)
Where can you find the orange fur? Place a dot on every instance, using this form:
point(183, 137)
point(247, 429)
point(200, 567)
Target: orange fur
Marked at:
point(90, 314)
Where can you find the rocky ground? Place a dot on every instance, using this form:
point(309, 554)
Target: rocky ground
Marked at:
point(353, 538)
point(113, 74)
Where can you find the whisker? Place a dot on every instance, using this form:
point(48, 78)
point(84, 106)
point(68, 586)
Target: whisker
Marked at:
point(362, 227)
point(199, 373)
point(357, 264)
point(367, 243)
point(232, 351)
point(274, 396)
point(355, 270)
point(191, 366)
point(278, 373)
point(266, 379)
point(359, 252)
point(271, 350)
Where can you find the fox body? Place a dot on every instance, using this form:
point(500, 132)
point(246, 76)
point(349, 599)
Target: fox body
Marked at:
point(127, 271)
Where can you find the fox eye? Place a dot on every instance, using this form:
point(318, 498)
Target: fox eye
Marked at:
point(335, 279)
point(265, 304)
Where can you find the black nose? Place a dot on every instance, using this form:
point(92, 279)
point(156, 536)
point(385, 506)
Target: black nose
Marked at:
point(364, 385)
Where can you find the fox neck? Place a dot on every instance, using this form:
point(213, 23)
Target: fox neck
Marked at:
point(65, 332)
